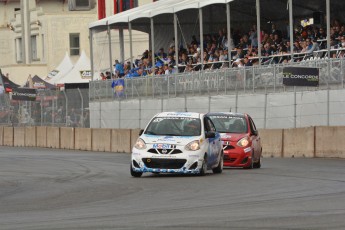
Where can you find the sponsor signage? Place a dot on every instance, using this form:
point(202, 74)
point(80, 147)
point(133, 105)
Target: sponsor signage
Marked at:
point(300, 76)
point(53, 73)
point(85, 74)
point(24, 94)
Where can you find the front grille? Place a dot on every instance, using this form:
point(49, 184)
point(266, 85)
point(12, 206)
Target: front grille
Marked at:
point(227, 158)
point(162, 151)
point(228, 147)
point(164, 163)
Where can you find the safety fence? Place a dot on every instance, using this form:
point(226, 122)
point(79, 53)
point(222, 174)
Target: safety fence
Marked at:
point(266, 78)
point(100, 107)
point(69, 108)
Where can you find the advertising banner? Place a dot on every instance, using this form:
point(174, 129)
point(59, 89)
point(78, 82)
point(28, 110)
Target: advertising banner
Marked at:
point(300, 76)
point(24, 94)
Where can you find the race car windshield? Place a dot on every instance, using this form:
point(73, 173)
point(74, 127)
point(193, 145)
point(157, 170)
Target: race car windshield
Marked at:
point(174, 126)
point(229, 124)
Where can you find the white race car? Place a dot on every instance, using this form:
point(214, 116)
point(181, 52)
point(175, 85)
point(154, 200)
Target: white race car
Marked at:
point(178, 142)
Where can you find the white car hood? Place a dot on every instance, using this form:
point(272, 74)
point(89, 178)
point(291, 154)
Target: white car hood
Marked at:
point(175, 140)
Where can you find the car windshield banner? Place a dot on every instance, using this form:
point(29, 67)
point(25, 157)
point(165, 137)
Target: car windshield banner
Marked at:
point(24, 94)
point(300, 76)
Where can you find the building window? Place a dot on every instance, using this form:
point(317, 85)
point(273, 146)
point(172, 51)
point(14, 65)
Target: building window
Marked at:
point(43, 48)
point(34, 48)
point(123, 5)
point(74, 44)
point(19, 53)
point(79, 5)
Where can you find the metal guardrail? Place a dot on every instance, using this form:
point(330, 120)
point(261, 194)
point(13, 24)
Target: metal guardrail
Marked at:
point(266, 78)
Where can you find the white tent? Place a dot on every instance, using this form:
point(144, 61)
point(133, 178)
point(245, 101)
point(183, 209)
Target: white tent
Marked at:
point(80, 73)
point(63, 68)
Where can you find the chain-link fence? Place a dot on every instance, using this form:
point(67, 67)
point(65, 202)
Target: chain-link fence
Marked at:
point(266, 78)
point(71, 107)
point(68, 108)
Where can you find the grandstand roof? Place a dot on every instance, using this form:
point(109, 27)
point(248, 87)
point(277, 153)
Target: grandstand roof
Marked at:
point(241, 10)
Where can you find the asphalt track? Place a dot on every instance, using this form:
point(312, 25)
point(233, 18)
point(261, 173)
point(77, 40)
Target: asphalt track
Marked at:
point(59, 189)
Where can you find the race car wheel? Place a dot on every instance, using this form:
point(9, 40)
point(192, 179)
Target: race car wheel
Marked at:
point(257, 165)
point(203, 168)
point(135, 174)
point(219, 168)
point(251, 162)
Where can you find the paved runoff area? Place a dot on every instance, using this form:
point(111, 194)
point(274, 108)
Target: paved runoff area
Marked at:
point(62, 189)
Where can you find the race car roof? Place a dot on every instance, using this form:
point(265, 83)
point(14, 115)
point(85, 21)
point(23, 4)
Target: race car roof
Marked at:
point(179, 114)
point(227, 114)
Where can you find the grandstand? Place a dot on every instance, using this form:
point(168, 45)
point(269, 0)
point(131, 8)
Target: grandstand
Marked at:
point(216, 74)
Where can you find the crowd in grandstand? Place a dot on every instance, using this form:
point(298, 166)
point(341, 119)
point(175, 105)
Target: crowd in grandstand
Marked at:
point(243, 51)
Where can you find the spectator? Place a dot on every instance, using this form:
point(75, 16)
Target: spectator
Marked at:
point(161, 54)
point(276, 31)
point(253, 36)
point(118, 70)
point(102, 76)
point(247, 62)
point(297, 48)
point(108, 75)
point(313, 46)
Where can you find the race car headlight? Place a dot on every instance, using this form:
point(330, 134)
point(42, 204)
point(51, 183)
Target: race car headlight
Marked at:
point(193, 146)
point(244, 142)
point(140, 144)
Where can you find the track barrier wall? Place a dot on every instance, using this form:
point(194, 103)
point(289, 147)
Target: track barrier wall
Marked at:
point(30, 136)
point(1, 136)
point(320, 141)
point(19, 136)
point(272, 142)
point(53, 137)
point(67, 138)
point(82, 139)
point(8, 136)
point(299, 142)
point(329, 141)
point(41, 134)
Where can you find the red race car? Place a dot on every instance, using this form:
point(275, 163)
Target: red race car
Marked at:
point(240, 138)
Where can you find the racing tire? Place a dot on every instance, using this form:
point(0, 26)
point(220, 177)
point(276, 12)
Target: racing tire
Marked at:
point(135, 174)
point(257, 165)
point(219, 168)
point(203, 168)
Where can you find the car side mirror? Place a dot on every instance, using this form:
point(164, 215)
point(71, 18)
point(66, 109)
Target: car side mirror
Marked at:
point(210, 134)
point(141, 132)
point(255, 133)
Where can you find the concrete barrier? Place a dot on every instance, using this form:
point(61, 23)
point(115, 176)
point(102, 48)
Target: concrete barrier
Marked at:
point(121, 140)
point(53, 137)
point(8, 136)
point(41, 136)
point(329, 142)
point(30, 136)
point(67, 138)
point(19, 136)
point(1, 136)
point(101, 140)
point(299, 142)
point(134, 136)
point(83, 139)
point(272, 142)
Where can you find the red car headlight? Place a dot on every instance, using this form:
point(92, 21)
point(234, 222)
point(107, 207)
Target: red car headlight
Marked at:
point(244, 142)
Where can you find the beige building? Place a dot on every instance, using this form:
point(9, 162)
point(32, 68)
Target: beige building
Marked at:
point(35, 35)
